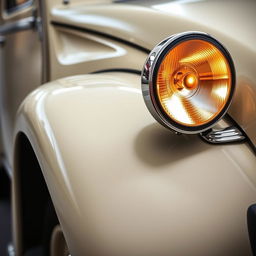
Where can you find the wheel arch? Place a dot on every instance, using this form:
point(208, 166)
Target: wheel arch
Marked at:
point(30, 196)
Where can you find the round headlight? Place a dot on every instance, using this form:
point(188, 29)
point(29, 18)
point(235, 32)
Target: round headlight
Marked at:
point(188, 82)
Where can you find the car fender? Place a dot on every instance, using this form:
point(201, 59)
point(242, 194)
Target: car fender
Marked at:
point(122, 184)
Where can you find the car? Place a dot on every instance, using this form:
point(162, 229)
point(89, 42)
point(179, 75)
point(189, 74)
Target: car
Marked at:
point(129, 127)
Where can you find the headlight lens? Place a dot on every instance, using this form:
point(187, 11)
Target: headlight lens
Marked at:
point(190, 81)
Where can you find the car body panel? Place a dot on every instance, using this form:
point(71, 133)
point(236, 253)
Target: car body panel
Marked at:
point(75, 52)
point(124, 185)
point(121, 183)
point(146, 23)
point(65, 52)
point(136, 21)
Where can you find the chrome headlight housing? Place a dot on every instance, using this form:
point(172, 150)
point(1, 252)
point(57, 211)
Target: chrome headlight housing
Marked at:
point(188, 81)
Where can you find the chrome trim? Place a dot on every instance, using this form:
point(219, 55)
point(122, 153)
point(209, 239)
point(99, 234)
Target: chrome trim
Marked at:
point(147, 85)
point(16, 26)
point(227, 135)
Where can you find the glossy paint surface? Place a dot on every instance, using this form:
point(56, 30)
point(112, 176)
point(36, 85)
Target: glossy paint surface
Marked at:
point(75, 52)
point(124, 185)
point(146, 23)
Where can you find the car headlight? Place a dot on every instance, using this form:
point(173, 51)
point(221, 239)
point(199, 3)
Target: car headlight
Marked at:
point(188, 82)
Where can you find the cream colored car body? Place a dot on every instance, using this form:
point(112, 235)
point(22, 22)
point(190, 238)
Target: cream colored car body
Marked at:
point(121, 184)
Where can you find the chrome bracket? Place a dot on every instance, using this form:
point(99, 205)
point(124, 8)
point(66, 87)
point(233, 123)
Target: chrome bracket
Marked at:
point(227, 135)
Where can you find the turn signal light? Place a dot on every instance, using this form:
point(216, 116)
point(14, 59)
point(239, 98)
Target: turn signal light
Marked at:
point(188, 82)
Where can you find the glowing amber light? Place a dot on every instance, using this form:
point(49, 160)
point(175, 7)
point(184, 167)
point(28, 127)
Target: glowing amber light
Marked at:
point(190, 81)
point(193, 82)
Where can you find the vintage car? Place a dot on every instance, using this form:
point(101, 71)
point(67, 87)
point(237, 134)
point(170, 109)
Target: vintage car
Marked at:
point(128, 128)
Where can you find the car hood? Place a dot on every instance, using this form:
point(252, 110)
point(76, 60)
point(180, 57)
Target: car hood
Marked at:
point(146, 23)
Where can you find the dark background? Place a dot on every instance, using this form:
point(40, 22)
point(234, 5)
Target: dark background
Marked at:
point(5, 212)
